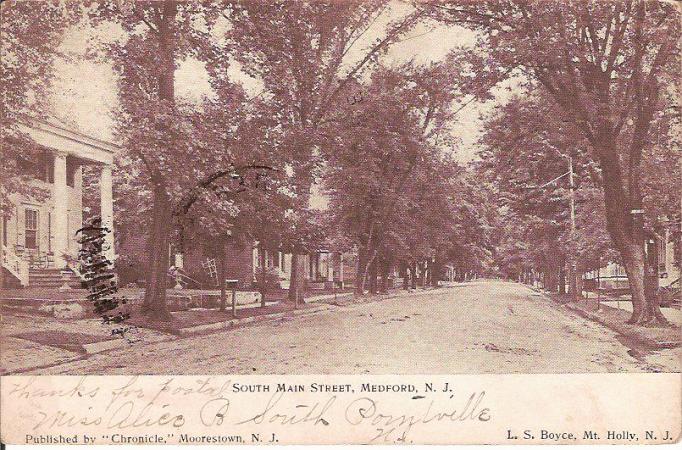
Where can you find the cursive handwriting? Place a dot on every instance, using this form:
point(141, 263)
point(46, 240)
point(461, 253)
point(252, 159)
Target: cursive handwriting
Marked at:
point(174, 403)
point(396, 426)
point(303, 413)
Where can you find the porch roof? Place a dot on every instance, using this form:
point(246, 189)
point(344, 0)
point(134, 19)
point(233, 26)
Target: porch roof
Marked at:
point(68, 141)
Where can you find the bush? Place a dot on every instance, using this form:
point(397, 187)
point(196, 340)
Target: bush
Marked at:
point(271, 279)
point(129, 270)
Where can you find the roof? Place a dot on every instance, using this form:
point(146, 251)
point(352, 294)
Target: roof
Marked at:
point(69, 141)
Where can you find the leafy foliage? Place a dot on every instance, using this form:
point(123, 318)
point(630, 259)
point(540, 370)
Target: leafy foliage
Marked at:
point(31, 34)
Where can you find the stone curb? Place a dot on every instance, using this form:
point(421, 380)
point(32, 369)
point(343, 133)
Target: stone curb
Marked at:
point(327, 297)
point(113, 344)
point(202, 329)
point(210, 327)
point(21, 370)
point(102, 346)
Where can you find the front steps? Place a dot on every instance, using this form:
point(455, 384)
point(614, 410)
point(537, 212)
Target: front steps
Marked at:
point(51, 278)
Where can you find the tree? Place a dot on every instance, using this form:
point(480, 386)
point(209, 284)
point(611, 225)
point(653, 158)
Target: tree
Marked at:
point(299, 51)
point(31, 33)
point(397, 209)
point(475, 219)
point(606, 65)
point(177, 158)
point(303, 233)
point(379, 157)
point(525, 150)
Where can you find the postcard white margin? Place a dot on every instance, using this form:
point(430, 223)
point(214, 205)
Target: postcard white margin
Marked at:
point(352, 409)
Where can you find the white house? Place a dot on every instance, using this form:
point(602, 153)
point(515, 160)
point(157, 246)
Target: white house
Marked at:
point(38, 234)
point(660, 249)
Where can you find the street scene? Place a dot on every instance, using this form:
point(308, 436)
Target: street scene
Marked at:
point(355, 187)
point(477, 327)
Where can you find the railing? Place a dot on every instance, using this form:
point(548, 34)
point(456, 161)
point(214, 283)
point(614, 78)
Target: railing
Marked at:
point(39, 260)
point(74, 266)
point(15, 265)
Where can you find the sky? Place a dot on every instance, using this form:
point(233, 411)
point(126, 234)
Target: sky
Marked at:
point(84, 91)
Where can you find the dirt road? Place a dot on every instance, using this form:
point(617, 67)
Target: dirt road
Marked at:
point(480, 327)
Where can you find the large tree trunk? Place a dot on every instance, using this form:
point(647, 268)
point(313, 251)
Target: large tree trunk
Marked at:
point(562, 277)
point(579, 282)
point(633, 260)
point(359, 270)
point(383, 269)
point(572, 282)
point(551, 279)
point(2, 270)
point(435, 272)
point(154, 304)
point(383, 282)
point(368, 254)
point(373, 276)
point(627, 235)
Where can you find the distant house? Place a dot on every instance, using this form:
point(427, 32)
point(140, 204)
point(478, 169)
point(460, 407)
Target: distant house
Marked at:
point(324, 269)
point(39, 237)
point(660, 251)
point(668, 271)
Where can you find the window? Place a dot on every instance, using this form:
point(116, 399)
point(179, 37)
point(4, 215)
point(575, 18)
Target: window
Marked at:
point(31, 234)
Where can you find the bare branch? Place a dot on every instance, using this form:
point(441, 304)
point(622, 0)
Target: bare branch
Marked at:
point(140, 15)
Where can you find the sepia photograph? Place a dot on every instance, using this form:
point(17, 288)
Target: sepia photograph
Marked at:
point(340, 187)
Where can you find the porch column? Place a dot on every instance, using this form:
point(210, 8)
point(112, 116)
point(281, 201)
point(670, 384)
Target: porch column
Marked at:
point(60, 197)
point(330, 267)
point(107, 210)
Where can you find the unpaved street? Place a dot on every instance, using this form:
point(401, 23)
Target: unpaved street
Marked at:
point(480, 327)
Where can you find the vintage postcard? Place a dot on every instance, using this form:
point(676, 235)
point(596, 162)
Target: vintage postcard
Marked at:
point(340, 222)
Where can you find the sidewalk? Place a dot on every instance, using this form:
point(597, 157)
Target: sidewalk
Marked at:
point(673, 315)
point(615, 318)
point(199, 321)
point(35, 340)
